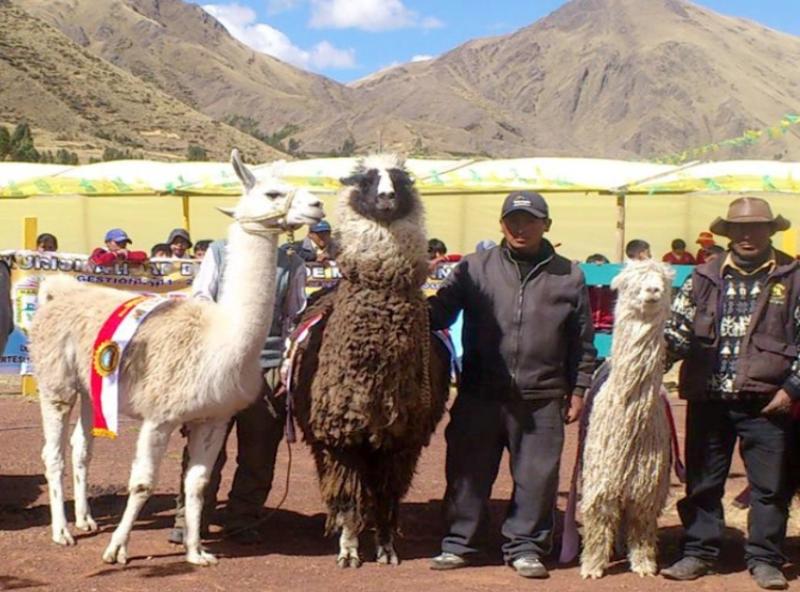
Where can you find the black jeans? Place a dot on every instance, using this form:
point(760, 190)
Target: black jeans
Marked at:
point(766, 444)
point(478, 432)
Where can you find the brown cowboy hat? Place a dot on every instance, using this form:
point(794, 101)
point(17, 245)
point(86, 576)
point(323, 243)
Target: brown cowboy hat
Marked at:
point(748, 210)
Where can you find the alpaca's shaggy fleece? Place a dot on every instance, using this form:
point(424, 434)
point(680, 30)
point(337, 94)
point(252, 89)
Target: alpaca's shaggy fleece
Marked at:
point(627, 451)
point(372, 404)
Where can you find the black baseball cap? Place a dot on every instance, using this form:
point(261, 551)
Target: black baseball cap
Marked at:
point(526, 201)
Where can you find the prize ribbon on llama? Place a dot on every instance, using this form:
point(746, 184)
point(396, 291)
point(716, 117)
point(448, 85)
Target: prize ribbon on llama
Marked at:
point(109, 347)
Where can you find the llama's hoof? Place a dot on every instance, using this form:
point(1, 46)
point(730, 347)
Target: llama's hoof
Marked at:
point(86, 524)
point(387, 556)
point(348, 560)
point(116, 553)
point(593, 574)
point(202, 558)
point(644, 569)
point(61, 536)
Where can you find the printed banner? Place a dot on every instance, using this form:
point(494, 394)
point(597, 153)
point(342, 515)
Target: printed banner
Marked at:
point(29, 269)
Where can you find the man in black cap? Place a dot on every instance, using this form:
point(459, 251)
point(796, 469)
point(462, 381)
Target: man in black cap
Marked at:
point(736, 323)
point(528, 357)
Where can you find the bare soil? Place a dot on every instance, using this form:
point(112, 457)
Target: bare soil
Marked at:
point(295, 554)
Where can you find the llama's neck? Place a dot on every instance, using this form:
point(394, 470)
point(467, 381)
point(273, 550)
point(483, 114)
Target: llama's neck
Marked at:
point(638, 350)
point(248, 292)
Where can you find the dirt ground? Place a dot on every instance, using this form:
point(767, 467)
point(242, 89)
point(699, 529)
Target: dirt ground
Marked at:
point(295, 555)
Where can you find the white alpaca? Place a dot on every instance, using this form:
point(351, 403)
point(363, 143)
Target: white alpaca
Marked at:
point(627, 455)
point(191, 362)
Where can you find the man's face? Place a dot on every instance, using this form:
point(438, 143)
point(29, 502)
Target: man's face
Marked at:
point(179, 246)
point(524, 231)
point(46, 245)
point(115, 246)
point(321, 239)
point(199, 253)
point(750, 240)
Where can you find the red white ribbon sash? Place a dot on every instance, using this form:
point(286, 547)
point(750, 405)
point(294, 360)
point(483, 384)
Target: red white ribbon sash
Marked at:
point(109, 347)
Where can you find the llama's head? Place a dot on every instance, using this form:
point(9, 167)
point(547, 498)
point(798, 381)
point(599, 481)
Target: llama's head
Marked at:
point(381, 189)
point(269, 204)
point(644, 287)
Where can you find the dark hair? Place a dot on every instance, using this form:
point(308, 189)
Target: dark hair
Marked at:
point(160, 247)
point(202, 244)
point(635, 247)
point(597, 258)
point(679, 243)
point(436, 246)
point(46, 235)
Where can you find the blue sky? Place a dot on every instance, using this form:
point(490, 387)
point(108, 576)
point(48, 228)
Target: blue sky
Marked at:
point(348, 39)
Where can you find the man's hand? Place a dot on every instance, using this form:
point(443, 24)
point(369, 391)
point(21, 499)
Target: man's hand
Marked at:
point(575, 409)
point(780, 404)
point(122, 254)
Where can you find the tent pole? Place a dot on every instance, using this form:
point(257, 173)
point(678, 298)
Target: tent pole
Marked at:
point(621, 227)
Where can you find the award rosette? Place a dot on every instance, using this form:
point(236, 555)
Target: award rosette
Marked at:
point(109, 347)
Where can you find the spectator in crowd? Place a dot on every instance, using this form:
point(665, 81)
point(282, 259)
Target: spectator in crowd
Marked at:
point(679, 255)
point(116, 250)
point(179, 243)
point(602, 299)
point(597, 259)
point(319, 245)
point(200, 248)
point(259, 428)
point(437, 253)
point(46, 243)
point(637, 250)
point(706, 240)
point(515, 393)
point(484, 245)
point(161, 250)
point(735, 324)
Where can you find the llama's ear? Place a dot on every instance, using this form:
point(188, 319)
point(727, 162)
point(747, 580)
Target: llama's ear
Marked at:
point(352, 179)
point(247, 178)
point(227, 211)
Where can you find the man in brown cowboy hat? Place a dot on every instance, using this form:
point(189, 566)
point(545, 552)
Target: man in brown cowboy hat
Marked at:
point(735, 324)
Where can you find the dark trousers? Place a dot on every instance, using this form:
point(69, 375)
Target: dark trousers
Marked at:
point(259, 429)
point(766, 442)
point(478, 432)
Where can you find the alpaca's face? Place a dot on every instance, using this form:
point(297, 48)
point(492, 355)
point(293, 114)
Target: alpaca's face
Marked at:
point(645, 286)
point(384, 192)
point(272, 204)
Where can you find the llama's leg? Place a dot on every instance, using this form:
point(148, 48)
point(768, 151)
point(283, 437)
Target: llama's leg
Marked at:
point(55, 417)
point(150, 448)
point(642, 540)
point(600, 522)
point(391, 475)
point(82, 442)
point(348, 541)
point(205, 441)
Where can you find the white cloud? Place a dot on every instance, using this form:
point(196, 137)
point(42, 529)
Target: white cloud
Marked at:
point(277, 6)
point(369, 15)
point(240, 22)
point(422, 58)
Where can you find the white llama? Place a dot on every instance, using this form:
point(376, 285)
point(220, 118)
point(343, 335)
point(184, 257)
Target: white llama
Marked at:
point(627, 452)
point(191, 362)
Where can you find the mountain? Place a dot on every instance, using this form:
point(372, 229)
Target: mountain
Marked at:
point(76, 101)
point(187, 53)
point(618, 78)
point(610, 78)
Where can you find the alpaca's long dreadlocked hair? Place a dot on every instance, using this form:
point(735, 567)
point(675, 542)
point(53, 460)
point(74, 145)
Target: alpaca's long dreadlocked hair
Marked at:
point(627, 451)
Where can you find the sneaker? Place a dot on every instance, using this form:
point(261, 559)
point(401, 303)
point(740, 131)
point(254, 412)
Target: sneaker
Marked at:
point(176, 536)
point(529, 566)
point(687, 568)
point(445, 561)
point(769, 577)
